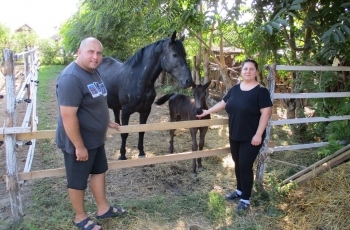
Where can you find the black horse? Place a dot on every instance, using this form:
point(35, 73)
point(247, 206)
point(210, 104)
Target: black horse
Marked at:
point(182, 107)
point(130, 85)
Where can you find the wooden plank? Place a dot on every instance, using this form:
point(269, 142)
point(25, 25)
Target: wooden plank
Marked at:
point(313, 68)
point(284, 162)
point(128, 163)
point(301, 146)
point(44, 134)
point(318, 163)
point(26, 52)
point(271, 144)
point(310, 119)
point(311, 95)
point(325, 166)
point(14, 130)
point(275, 117)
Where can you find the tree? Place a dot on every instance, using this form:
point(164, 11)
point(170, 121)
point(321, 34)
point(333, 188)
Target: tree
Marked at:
point(4, 37)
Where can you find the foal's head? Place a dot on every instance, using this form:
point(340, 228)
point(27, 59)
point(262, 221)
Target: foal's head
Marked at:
point(199, 93)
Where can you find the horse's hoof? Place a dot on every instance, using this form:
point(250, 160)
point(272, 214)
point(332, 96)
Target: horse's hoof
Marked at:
point(200, 169)
point(194, 176)
point(122, 158)
point(142, 156)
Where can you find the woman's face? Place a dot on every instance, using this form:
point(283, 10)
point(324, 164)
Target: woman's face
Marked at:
point(249, 71)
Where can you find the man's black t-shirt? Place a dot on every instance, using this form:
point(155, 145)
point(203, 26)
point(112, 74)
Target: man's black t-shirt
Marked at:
point(243, 108)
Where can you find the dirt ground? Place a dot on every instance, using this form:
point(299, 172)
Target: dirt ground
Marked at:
point(172, 178)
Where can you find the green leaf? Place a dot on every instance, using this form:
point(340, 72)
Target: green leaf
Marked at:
point(268, 28)
point(295, 7)
point(335, 37)
point(346, 4)
point(346, 29)
point(313, 23)
point(341, 35)
point(282, 21)
point(276, 25)
point(297, 2)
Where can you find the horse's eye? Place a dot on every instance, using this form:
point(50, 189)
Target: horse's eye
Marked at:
point(174, 55)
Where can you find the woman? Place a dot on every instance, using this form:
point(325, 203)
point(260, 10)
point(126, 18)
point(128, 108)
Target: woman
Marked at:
point(249, 108)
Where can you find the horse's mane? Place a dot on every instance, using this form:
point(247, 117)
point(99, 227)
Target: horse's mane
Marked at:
point(137, 57)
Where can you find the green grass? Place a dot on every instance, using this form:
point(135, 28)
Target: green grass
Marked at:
point(47, 77)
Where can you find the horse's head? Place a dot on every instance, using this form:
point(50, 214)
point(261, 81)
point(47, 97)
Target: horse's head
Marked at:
point(173, 61)
point(199, 93)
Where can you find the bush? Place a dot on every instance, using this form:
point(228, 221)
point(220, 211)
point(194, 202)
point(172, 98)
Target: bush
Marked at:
point(49, 50)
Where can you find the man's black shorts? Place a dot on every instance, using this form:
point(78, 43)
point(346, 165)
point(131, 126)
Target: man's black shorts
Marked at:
point(78, 172)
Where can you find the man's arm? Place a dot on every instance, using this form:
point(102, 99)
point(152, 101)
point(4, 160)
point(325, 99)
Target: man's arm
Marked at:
point(71, 126)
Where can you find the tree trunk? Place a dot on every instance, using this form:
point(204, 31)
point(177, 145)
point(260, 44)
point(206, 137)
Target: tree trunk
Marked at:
point(265, 150)
point(206, 66)
point(194, 72)
point(226, 79)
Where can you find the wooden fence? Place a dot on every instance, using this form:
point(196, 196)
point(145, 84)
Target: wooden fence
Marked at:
point(28, 89)
point(12, 134)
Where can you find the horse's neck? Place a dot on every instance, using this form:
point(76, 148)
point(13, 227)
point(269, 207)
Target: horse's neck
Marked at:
point(150, 70)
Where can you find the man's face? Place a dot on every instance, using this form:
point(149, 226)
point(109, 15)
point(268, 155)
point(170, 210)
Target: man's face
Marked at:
point(90, 55)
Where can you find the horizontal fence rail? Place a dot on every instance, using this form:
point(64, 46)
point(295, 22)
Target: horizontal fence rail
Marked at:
point(26, 133)
point(312, 68)
point(128, 163)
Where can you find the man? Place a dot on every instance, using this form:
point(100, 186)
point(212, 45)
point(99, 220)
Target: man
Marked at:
point(82, 124)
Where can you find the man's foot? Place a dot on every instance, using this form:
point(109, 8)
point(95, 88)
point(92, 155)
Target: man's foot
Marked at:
point(112, 212)
point(87, 224)
point(242, 207)
point(232, 196)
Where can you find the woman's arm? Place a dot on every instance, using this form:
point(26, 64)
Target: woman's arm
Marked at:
point(264, 119)
point(216, 108)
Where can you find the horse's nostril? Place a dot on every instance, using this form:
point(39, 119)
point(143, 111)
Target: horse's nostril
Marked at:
point(199, 111)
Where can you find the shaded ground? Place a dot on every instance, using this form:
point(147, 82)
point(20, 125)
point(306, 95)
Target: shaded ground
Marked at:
point(169, 180)
point(139, 182)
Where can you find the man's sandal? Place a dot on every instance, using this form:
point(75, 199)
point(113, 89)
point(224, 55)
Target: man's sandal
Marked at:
point(82, 225)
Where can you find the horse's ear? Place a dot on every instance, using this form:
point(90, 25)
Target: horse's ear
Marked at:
point(182, 38)
point(173, 36)
point(193, 85)
point(206, 85)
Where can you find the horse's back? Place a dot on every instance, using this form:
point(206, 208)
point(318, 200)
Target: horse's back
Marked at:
point(109, 68)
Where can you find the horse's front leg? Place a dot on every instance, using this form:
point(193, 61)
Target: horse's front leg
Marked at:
point(124, 136)
point(143, 120)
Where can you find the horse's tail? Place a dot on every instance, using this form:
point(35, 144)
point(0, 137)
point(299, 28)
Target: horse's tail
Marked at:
point(163, 99)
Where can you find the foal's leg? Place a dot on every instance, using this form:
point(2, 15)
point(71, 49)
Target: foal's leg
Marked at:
point(171, 142)
point(193, 132)
point(173, 118)
point(202, 132)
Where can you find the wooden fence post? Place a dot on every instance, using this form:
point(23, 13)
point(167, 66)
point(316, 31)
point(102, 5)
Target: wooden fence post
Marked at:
point(265, 150)
point(12, 184)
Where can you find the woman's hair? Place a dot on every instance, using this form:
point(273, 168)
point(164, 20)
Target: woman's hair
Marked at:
point(252, 61)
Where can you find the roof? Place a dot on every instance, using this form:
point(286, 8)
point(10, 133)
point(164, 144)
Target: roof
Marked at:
point(227, 50)
point(24, 27)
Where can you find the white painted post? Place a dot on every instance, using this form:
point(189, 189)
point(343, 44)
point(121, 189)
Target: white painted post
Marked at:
point(265, 150)
point(12, 184)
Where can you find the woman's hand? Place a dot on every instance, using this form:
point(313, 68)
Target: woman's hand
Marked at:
point(256, 140)
point(204, 113)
